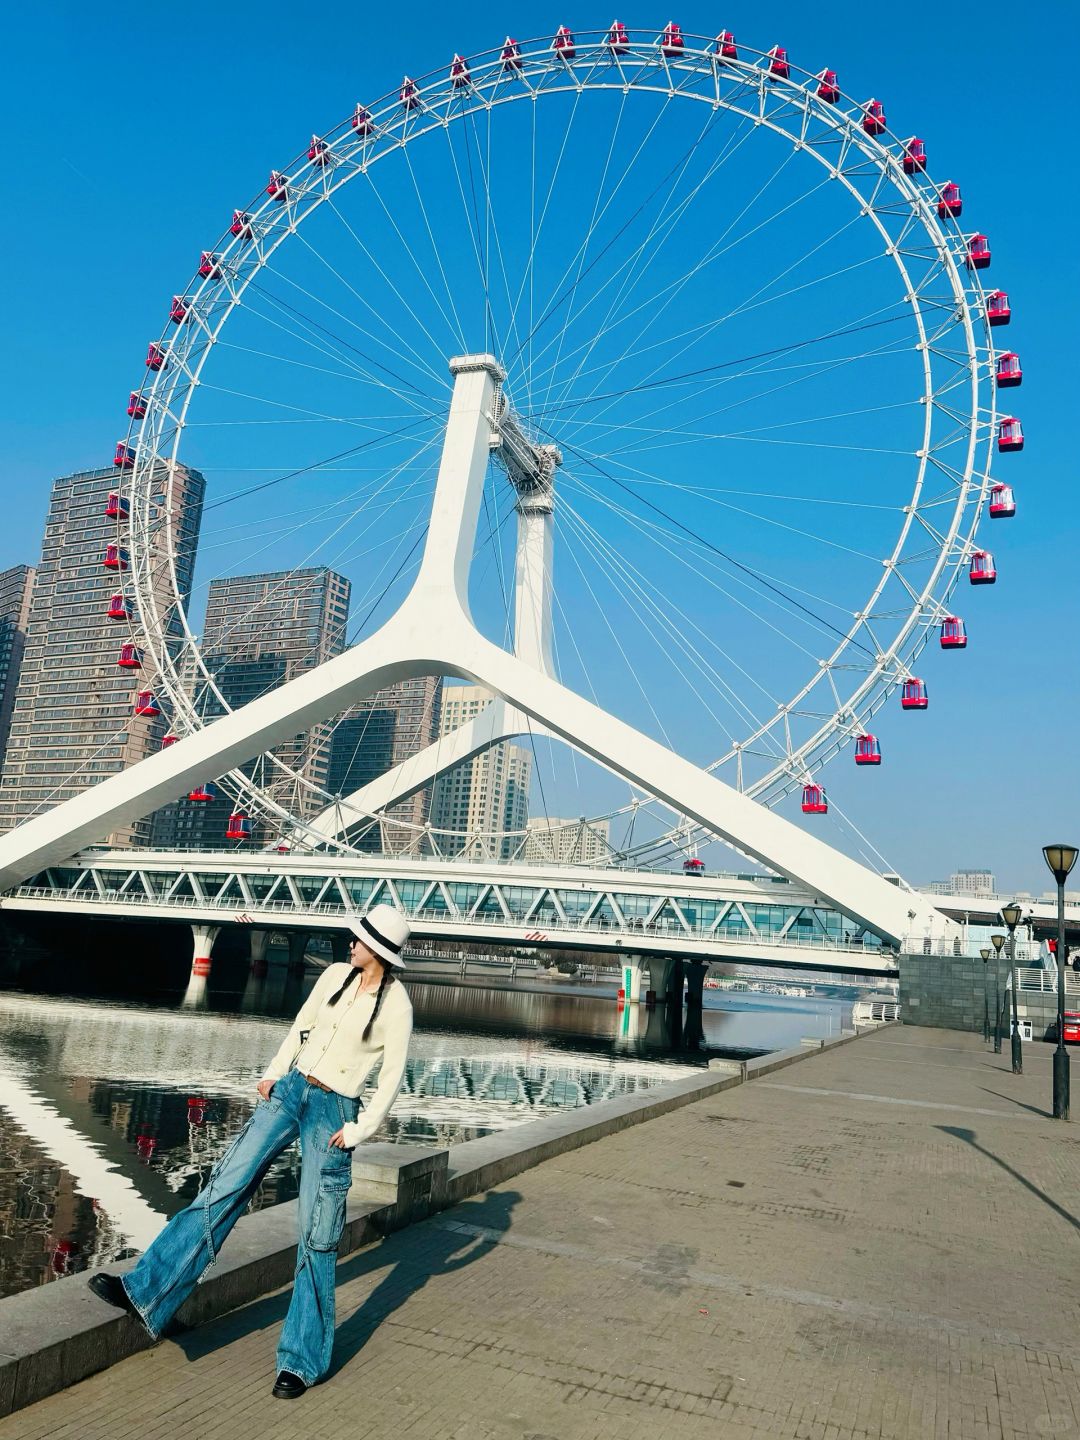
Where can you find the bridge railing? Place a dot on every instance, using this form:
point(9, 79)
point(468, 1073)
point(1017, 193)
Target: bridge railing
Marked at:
point(1045, 981)
point(822, 944)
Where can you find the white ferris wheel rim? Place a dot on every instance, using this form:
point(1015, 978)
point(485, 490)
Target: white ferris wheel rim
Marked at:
point(156, 439)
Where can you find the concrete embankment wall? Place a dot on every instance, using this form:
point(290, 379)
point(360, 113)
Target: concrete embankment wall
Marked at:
point(950, 992)
point(58, 1334)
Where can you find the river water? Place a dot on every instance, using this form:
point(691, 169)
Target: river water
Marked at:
point(120, 1085)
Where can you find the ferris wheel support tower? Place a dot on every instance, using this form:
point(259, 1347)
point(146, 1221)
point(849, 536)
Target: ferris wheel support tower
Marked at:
point(433, 632)
point(531, 470)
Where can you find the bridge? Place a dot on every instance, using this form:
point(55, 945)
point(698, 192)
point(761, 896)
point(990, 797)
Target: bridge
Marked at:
point(643, 916)
point(822, 909)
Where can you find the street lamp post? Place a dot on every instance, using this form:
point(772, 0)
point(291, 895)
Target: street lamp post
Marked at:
point(986, 994)
point(1060, 859)
point(1011, 915)
point(997, 941)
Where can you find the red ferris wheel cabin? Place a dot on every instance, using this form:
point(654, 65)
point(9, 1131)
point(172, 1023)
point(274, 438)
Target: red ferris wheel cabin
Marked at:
point(814, 801)
point(953, 633)
point(913, 694)
point(867, 750)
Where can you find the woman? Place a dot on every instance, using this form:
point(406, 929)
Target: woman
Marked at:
point(357, 1014)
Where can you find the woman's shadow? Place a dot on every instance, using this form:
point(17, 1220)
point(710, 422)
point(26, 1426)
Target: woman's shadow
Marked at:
point(440, 1245)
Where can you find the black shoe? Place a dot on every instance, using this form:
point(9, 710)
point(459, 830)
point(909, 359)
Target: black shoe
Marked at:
point(288, 1386)
point(110, 1288)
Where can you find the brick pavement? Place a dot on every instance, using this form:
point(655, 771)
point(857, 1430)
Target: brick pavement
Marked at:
point(881, 1241)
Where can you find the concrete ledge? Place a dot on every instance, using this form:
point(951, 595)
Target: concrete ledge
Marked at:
point(60, 1333)
point(477, 1165)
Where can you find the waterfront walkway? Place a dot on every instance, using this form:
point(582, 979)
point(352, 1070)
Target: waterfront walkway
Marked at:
point(880, 1241)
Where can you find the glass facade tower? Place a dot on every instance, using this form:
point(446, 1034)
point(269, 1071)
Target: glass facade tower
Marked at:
point(487, 794)
point(74, 724)
point(16, 590)
point(261, 631)
point(377, 734)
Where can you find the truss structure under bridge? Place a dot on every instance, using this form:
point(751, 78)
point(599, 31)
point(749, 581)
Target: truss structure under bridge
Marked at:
point(725, 917)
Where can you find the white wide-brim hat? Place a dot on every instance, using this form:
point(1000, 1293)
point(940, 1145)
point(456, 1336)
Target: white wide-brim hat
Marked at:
point(385, 931)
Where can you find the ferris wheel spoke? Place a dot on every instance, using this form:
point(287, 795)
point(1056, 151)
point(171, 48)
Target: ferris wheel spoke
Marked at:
point(473, 227)
point(353, 376)
point(762, 586)
point(583, 246)
point(765, 588)
point(811, 536)
point(654, 603)
point(683, 437)
point(702, 329)
point(283, 585)
point(557, 288)
point(303, 412)
point(435, 250)
point(493, 234)
point(315, 336)
point(645, 696)
point(407, 252)
point(615, 310)
point(710, 376)
point(226, 534)
point(563, 295)
point(393, 342)
point(805, 373)
point(664, 223)
point(716, 252)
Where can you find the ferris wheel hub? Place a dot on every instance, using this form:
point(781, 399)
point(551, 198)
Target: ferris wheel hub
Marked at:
point(466, 364)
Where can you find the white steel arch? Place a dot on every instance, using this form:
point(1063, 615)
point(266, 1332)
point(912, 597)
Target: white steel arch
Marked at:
point(433, 632)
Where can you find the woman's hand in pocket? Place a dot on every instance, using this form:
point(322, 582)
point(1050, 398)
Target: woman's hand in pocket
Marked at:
point(264, 1087)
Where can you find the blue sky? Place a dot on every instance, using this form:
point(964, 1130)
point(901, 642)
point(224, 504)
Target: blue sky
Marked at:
point(136, 142)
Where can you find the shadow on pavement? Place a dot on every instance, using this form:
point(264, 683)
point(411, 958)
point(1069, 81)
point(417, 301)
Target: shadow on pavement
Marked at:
point(414, 1256)
point(968, 1136)
point(420, 1254)
point(1033, 1109)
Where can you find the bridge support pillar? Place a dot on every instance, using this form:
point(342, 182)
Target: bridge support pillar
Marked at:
point(260, 940)
point(195, 997)
point(297, 949)
point(660, 977)
point(631, 979)
point(696, 971)
point(203, 937)
point(339, 945)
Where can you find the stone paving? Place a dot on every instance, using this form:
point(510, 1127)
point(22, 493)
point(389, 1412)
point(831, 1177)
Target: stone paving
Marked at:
point(881, 1241)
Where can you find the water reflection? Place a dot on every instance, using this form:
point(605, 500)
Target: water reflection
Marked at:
point(113, 1111)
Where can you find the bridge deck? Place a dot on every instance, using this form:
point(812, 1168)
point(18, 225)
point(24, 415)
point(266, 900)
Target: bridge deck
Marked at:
point(875, 1243)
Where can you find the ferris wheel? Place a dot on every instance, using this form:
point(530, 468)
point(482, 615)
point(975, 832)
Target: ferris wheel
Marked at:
point(727, 295)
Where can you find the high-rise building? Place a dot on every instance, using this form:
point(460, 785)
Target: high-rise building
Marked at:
point(965, 882)
point(487, 795)
point(377, 734)
point(16, 589)
point(74, 723)
point(261, 631)
point(553, 841)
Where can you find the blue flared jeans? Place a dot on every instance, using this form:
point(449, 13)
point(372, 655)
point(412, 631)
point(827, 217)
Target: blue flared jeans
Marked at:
point(168, 1272)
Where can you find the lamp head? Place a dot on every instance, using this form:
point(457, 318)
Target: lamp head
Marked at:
point(997, 941)
point(985, 955)
point(1011, 915)
point(1060, 859)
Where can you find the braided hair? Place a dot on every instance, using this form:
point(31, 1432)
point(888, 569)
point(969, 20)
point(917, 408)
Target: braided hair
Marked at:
point(387, 979)
point(350, 979)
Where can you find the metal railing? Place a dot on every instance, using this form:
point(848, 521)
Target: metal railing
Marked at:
point(1045, 981)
